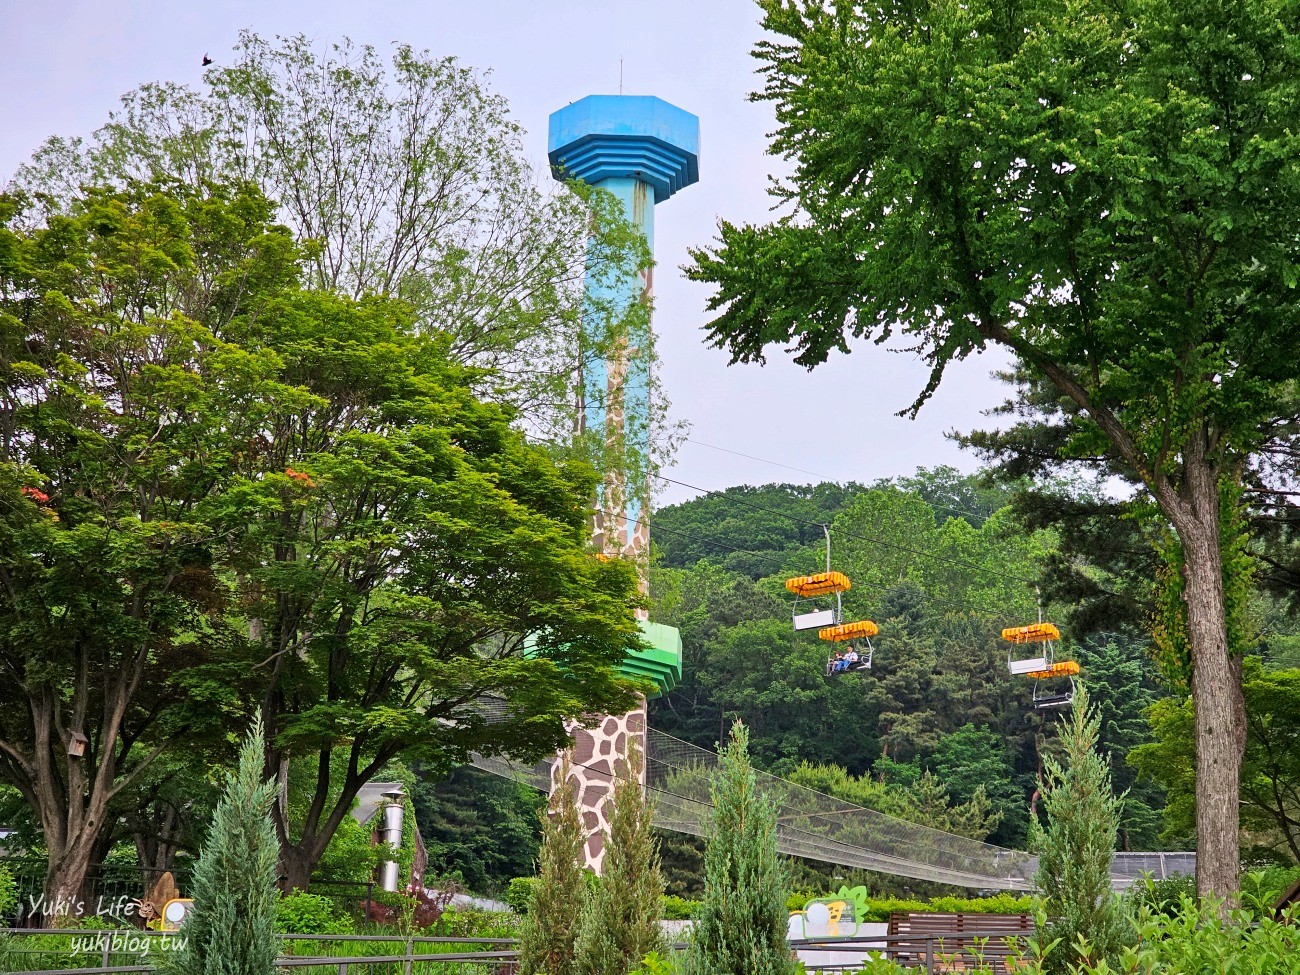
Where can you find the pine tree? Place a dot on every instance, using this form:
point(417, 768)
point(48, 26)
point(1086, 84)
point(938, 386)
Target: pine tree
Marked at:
point(742, 924)
point(548, 936)
point(232, 928)
point(621, 924)
point(1076, 848)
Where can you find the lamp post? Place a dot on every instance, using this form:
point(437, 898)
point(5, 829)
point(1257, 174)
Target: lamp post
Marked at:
point(391, 835)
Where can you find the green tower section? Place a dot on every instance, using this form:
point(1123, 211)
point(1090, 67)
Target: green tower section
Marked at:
point(662, 662)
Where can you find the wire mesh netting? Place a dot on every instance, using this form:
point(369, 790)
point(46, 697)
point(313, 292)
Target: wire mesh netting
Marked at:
point(816, 826)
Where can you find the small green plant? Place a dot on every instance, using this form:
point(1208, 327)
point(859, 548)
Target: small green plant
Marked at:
point(1164, 896)
point(621, 923)
point(742, 923)
point(8, 894)
point(302, 913)
point(548, 935)
point(470, 922)
point(654, 964)
point(1196, 939)
point(232, 928)
point(519, 893)
point(678, 908)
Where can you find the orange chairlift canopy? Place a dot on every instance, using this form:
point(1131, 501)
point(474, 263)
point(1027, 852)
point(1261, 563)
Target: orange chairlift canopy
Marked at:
point(1066, 668)
point(849, 631)
point(821, 584)
point(1033, 633)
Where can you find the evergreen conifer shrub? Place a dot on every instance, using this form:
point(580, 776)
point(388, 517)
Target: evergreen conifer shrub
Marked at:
point(620, 926)
point(742, 922)
point(1076, 849)
point(231, 930)
point(548, 934)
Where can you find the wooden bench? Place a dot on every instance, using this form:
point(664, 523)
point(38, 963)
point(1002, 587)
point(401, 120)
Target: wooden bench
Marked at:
point(958, 941)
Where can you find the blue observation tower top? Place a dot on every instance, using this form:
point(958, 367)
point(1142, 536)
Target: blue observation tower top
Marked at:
point(604, 137)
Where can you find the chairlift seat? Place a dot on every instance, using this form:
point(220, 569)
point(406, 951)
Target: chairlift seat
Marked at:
point(1033, 633)
point(1054, 700)
point(816, 619)
point(1029, 665)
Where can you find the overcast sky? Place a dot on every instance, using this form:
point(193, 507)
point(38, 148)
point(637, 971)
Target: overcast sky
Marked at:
point(67, 63)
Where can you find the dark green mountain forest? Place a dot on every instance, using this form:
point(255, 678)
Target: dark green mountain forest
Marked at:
point(937, 731)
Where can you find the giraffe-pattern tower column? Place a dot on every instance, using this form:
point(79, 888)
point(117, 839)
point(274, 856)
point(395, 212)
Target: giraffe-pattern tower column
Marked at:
point(642, 150)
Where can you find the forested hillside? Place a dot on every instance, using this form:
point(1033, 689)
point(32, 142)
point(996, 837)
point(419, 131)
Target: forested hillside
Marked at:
point(941, 566)
point(937, 731)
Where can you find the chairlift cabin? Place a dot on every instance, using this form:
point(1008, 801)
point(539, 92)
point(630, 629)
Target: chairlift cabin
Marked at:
point(1045, 635)
point(817, 599)
point(858, 634)
point(1048, 691)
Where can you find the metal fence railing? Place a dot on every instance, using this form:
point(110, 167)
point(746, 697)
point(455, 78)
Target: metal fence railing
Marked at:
point(29, 951)
point(105, 951)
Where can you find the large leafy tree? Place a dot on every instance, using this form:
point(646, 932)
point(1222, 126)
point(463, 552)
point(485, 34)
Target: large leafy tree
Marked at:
point(1270, 791)
point(119, 411)
point(411, 179)
point(1103, 188)
point(413, 576)
point(220, 490)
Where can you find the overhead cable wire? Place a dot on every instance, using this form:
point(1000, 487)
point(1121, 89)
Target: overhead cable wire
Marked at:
point(930, 600)
point(961, 512)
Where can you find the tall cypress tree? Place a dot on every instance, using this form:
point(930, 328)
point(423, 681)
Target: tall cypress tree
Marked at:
point(232, 928)
point(621, 924)
point(1076, 848)
point(548, 936)
point(742, 924)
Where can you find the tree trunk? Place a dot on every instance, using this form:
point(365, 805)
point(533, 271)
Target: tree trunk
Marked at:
point(66, 897)
point(1220, 709)
point(295, 869)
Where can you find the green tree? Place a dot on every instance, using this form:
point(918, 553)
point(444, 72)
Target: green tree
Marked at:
point(222, 490)
point(746, 529)
point(549, 933)
point(408, 561)
point(1270, 778)
point(620, 925)
point(1103, 190)
point(1121, 689)
point(479, 826)
point(1076, 848)
point(924, 799)
point(1270, 788)
point(121, 409)
point(411, 179)
point(972, 761)
point(741, 925)
point(232, 928)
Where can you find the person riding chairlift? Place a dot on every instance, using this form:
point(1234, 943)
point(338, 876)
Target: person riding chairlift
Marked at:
point(850, 658)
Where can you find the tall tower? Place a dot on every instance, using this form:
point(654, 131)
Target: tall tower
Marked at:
point(642, 150)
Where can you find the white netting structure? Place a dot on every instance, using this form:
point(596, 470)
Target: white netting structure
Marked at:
point(810, 824)
point(821, 827)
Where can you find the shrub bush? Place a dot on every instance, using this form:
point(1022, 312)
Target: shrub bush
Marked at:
point(302, 913)
point(415, 909)
point(519, 893)
point(1260, 889)
point(470, 922)
point(879, 908)
point(8, 894)
point(678, 908)
point(1162, 896)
